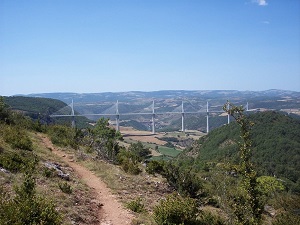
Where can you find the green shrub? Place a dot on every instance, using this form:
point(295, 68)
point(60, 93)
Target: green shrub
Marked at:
point(132, 168)
point(136, 205)
point(129, 162)
point(17, 138)
point(206, 218)
point(176, 210)
point(48, 172)
point(139, 150)
point(183, 180)
point(65, 187)
point(155, 167)
point(62, 135)
point(18, 161)
point(26, 207)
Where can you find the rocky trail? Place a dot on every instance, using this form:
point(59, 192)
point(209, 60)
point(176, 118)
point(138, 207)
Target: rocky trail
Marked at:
point(111, 211)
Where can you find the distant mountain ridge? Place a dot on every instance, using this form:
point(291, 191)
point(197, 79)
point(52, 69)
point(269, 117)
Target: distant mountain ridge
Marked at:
point(163, 94)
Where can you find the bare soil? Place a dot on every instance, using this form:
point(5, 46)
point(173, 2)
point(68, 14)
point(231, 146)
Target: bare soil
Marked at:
point(143, 136)
point(111, 211)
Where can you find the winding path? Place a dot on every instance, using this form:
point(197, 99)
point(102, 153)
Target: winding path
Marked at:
point(112, 211)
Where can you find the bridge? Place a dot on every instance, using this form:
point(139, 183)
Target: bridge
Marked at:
point(113, 111)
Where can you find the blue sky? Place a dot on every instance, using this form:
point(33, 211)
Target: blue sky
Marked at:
point(146, 45)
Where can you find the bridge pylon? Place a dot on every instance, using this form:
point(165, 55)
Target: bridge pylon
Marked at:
point(207, 118)
point(228, 115)
point(117, 116)
point(182, 118)
point(73, 114)
point(153, 118)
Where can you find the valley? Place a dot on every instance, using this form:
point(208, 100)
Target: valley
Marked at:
point(128, 175)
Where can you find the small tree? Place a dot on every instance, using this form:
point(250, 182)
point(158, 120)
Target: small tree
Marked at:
point(103, 139)
point(4, 115)
point(246, 203)
point(129, 162)
point(139, 150)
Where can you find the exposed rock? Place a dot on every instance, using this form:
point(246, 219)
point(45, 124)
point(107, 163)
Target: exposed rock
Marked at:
point(4, 170)
point(58, 169)
point(270, 210)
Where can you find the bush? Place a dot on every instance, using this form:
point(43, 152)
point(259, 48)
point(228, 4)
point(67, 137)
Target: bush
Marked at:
point(176, 210)
point(155, 167)
point(136, 205)
point(26, 207)
point(206, 218)
point(184, 181)
point(129, 162)
point(62, 135)
point(139, 150)
point(65, 187)
point(18, 161)
point(17, 138)
point(48, 172)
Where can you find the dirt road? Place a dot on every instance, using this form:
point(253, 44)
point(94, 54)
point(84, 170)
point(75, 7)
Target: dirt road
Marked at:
point(112, 212)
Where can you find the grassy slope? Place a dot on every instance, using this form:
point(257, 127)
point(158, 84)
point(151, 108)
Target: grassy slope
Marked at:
point(74, 207)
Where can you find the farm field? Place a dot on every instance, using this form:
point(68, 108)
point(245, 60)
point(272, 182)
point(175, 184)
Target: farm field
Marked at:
point(154, 141)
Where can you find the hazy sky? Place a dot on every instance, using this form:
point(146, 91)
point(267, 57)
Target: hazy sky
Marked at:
point(147, 45)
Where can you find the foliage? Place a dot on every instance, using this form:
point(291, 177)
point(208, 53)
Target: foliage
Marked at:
point(47, 172)
point(17, 137)
point(246, 204)
point(17, 161)
point(207, 218)
point(176, 210)
point(275, 147)
point(155, 166)
point(139, 150)
point(62, 135)
point(288, 210)
point(103, 139)
point(130, 159)
point(184, 180)
point(26, 207)
point(169, 139)
point(65, 187)
point(129, 162)
point(269, 185)
point(35, 105)
point(40, 109)
point(136, 205)
point(4, 115)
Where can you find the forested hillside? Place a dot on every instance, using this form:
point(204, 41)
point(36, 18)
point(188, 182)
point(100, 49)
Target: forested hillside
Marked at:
point(276, 146)
point(41, 108)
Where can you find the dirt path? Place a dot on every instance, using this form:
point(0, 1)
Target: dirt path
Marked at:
point(112, 211)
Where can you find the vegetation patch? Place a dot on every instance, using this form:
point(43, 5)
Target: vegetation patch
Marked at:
point(65, 187)
point(136, 205)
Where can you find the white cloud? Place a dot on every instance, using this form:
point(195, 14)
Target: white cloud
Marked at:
point(266, 22)
point(260, 2)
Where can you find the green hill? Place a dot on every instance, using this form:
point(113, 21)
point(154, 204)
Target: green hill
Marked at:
point(41, 108)
point(276, 146)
